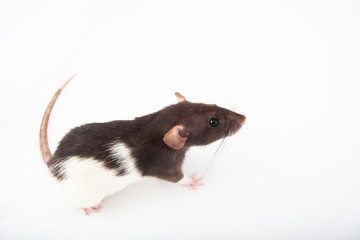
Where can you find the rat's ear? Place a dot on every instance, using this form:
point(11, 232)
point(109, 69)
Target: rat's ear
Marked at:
point(176, 137)
point(180, 97)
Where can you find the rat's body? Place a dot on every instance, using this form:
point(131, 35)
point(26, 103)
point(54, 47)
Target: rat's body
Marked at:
point(98, 159)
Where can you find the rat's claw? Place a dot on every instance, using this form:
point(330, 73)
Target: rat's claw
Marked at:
point(86, 211)
point(197, 180)
point(91, 209)
point(191, 182)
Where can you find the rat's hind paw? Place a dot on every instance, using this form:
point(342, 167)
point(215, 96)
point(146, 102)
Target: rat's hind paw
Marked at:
point(191, 182)
point(92, 209)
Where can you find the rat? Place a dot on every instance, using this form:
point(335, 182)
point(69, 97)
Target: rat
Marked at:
point(96, 160)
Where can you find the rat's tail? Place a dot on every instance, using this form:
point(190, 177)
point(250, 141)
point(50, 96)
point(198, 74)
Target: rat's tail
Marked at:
point(44, 145)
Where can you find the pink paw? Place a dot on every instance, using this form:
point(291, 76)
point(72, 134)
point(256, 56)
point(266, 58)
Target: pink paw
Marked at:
point(191, 182)
point(92, 209)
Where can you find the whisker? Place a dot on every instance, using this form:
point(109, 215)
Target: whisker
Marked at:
point(218, 156)
point(222, 142)
point(212, 159)
point(220, 152)
point(233, 105)
point(215, 157)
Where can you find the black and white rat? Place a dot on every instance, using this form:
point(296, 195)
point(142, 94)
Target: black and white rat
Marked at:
point(96, 160)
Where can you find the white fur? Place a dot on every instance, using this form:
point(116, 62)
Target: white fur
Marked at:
point(87, 181)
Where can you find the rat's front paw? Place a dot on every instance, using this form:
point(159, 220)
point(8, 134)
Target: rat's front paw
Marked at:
point(191, 182)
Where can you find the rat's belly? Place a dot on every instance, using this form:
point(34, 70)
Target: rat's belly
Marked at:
point(88, 182)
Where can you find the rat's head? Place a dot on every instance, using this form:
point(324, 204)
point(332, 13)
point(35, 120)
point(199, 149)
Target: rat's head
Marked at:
point(200, 124)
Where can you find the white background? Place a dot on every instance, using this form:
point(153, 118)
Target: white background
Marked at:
point(293, 68)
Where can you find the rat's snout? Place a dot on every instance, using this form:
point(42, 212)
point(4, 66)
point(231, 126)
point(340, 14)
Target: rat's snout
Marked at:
point(236, 122)
point(240, 118)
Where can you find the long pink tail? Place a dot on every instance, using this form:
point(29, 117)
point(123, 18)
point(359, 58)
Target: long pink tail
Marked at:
point(44, 145)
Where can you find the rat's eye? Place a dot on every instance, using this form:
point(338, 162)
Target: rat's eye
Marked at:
point(213, 122)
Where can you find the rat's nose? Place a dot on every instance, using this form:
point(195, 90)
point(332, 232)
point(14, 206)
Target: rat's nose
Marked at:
point(243, 120)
